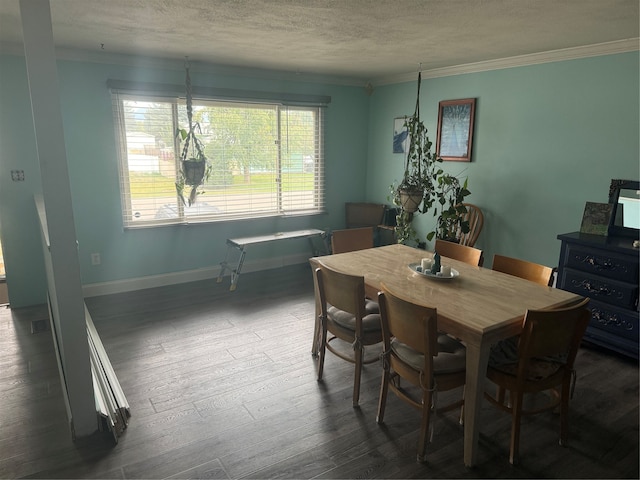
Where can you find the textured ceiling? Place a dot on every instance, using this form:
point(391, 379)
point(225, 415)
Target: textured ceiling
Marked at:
point(363, 39)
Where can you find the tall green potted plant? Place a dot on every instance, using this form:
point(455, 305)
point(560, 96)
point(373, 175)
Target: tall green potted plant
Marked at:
point(449, 209)
point(195, 168)
point(425, 186)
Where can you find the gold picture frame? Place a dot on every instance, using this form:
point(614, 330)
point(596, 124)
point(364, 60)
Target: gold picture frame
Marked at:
point(455, 129)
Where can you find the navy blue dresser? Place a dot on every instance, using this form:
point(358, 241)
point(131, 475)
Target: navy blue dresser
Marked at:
point(606, 270)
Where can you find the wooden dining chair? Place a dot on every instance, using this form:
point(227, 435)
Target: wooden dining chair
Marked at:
point(351, 239)
point(475, 218)
point(544, 360)
point(470, 255)
point(534, 272)
point(346, 316)
point(414, 351)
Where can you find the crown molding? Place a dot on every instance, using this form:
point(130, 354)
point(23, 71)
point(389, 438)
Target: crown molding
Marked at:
point(573, 53)
point(608, 48)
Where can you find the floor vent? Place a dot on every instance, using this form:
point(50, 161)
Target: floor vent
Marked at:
point(38, 326)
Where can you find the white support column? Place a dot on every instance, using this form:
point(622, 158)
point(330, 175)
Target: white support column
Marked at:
point(42, 75)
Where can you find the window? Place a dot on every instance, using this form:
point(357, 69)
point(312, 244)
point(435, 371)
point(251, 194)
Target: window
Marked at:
point(266, 158)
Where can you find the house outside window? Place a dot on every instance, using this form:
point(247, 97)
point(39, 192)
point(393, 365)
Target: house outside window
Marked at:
point(267, 159)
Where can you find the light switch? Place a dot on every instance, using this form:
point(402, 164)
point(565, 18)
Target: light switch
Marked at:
point(17, 175)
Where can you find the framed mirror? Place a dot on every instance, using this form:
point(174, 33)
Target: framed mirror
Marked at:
point(625, 218)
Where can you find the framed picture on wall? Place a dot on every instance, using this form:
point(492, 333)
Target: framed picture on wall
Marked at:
point(400, 135)
point(455, 129)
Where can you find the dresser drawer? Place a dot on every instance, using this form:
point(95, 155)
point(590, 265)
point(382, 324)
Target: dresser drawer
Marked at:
point(611, 341)
point(602, 263)
point(603, 289)
point(623, 323)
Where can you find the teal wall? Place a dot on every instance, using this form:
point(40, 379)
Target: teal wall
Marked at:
point(91, 155)
point(547, 139)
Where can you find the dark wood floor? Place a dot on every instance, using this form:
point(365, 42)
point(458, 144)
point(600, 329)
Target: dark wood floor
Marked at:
point(222, 385)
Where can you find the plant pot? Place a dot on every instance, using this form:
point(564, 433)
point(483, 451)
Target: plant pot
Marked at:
point(410, 200)
point(193, 172)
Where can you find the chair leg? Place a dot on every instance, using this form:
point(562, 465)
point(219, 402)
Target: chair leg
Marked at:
point(500, 394)
point(384, 389)
point(461, 420)
point(358, 374)
point(322, 349)
point(315, 347)
point(424, 427)
point(516, 400)
point(564, 413)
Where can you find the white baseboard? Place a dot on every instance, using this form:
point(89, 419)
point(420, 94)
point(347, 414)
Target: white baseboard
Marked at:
point(151, 281)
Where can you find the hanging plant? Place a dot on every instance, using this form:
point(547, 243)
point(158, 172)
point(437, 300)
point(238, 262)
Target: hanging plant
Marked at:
point(195, 169)
point(425, 186)
point(415, 181)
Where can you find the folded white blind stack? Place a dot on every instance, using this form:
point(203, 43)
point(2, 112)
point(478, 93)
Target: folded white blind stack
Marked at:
point(111, 405)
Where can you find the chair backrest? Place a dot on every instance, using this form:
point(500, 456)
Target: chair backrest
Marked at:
point(351, 239)
point(341, 290)
point(534, 272)
point(475, 218)
point(414, 325)
point(470, 255)
point(360, 214)
point(552, 332)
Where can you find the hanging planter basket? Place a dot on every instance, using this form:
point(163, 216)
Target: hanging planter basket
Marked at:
point(410, 200)
point(193, 171)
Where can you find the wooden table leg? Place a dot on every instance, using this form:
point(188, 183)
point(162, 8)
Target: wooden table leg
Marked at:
point(477, 359)
point(317, 327)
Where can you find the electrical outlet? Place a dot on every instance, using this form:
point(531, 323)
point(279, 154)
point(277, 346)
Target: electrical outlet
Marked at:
point(17, 175)
point(95, 259)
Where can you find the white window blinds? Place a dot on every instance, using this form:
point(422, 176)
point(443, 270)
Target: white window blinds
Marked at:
point(265, 158)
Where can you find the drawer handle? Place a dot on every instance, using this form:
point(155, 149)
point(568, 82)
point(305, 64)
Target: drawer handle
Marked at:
point(598, 291)
point(600, 264)
point(610, 319)
point(594, 290)
point(593, 261)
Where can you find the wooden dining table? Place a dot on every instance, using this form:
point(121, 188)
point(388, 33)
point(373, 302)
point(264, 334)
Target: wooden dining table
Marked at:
point(480, 306)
